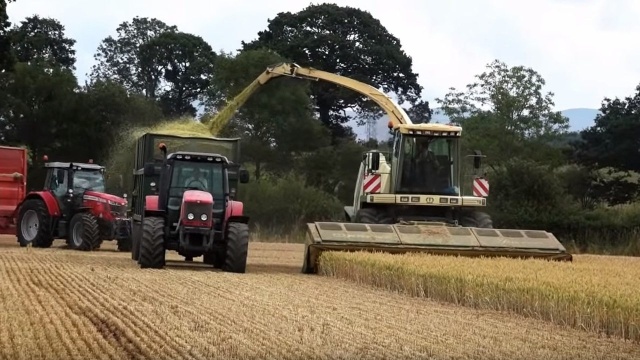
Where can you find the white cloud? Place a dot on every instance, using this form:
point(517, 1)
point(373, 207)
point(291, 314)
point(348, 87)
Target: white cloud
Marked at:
point(584, 49)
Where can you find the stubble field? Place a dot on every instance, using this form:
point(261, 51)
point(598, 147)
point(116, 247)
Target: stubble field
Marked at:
point(62, 304)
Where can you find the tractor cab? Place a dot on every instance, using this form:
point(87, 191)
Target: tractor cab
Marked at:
point(69, 181)
point(189, 171)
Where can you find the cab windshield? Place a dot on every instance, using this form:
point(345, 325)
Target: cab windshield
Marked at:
point(192, 175)
point(92, 180)
point(428, 165)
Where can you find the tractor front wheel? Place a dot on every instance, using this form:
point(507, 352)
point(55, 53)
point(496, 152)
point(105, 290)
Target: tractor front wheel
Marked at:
point(84, 232)
point(34, 224)
point(237, 247)
point(152, 251)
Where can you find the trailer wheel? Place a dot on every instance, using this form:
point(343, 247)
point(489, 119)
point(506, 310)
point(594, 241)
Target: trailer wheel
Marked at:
point(84, 232)
point(373, 216)
point(215, 258)
point(135, 241)
point(34, 224)
point(477, 219)
point(125, 244)
point(237, 247)
point(152, 251)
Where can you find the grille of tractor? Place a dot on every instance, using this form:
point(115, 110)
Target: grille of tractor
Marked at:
point(197, 209)
point(119, 210)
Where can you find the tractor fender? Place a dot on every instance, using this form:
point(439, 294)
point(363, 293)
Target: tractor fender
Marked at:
point(151, 202)
point(151, 206)
point(49, 200)
point(235, 212)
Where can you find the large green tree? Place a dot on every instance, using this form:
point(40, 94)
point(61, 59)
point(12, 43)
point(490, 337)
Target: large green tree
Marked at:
point(613, 144)
point(346, 41)
point(35, 106)
point(276, 122)
point(119, 58)
point(186, 64)
point(507, 103)
point(43, 40)
point(6, 54)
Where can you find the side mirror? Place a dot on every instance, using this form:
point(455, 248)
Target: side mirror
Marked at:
point(149, 169)
point(477, 159)
point(60, 175)
point(373, 161)
point(243, 175)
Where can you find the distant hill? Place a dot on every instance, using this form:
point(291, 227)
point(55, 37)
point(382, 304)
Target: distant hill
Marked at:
point(579, 119)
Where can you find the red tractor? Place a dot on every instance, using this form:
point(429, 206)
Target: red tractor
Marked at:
point(190, 211)
point(73, 206)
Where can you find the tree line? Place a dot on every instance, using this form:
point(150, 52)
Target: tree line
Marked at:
point(581, 186)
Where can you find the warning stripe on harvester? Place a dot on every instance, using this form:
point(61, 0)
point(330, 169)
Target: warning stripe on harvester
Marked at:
point(480, 187)
point(372, 183)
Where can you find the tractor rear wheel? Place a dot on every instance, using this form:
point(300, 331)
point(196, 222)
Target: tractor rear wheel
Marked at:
point(373, 216)
point(477, 219)
point(152, 251)
point(35, 224)
point(84, 232)
point(237, 247)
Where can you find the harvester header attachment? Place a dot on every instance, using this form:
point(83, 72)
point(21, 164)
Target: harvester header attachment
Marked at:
point(432, 238)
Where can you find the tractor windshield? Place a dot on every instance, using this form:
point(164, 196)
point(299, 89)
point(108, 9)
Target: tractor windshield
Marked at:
point(88, 180)
point(192, 175)
point(428, 166)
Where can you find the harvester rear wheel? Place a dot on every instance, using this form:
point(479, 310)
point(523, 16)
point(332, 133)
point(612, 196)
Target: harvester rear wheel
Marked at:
point(152, 251)
point(237, 247)
point(373, 216)
point(477, 219)
point(84, 232)
point(34, 224)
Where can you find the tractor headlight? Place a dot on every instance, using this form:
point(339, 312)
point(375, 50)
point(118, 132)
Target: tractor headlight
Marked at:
point(203, 217)
point(190, 216)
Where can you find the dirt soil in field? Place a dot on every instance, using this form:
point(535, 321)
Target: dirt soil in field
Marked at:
point(62, 304)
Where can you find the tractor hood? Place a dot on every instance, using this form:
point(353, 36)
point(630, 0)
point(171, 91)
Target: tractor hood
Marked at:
point(103, 197)
point(197, 196)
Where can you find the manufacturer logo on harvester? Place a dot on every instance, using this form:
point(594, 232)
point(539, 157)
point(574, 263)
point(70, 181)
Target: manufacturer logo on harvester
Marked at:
point(429, 200)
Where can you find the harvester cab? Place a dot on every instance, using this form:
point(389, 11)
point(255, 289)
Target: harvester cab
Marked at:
point(193, 213)
point(74, 205)
point(412, 200)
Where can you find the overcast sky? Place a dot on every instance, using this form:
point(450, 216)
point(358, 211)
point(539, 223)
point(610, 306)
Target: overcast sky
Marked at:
point(585, 49)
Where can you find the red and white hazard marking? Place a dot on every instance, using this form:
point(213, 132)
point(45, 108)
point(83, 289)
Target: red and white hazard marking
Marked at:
point(480, 187)
point(372, 183)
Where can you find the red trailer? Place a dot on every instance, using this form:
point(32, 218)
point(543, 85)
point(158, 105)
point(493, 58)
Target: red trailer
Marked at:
point(13, 185)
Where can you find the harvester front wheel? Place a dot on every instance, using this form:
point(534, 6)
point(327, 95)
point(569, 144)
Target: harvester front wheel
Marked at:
point(237, 248)
point(373, 216)
point(34, 224)
point(477, 219)
point(84, 232)
point(152, 251)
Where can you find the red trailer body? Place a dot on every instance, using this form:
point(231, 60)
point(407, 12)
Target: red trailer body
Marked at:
point(13, 185)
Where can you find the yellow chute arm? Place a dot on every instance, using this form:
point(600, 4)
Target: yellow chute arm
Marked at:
point(396, 114)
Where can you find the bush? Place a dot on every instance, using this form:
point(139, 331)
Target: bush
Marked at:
point(526, 195)
point(281, 206)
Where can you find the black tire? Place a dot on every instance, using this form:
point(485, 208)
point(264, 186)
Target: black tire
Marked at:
point(43, 237)
point(477, 219)
point(152, 251)
point(125, 244)
point(136, 233)
point(373, 216)
point(88, 232)
point(237, 248)
point(215, 258)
